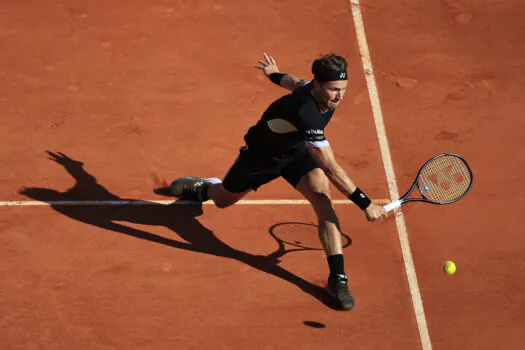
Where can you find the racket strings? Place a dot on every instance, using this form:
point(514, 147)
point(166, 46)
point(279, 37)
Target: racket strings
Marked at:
point(444, 179)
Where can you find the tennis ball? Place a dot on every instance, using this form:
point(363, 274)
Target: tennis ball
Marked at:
point(449, 267)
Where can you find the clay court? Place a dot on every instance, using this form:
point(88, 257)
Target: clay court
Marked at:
point(127, 94)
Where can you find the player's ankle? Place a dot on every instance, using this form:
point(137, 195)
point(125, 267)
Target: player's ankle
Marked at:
point(336, 265)
point(203, 192)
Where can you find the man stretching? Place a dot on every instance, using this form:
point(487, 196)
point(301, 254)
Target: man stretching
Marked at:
point(289, 141)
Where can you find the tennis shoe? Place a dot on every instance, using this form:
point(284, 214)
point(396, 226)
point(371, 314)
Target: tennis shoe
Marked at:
point(190, 187)
point(337, 288)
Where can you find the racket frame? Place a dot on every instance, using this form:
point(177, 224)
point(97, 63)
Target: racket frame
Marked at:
point(345, 239)
point(403, 199)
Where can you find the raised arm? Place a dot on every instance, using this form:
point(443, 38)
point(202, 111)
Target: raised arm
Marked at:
point(270, 69)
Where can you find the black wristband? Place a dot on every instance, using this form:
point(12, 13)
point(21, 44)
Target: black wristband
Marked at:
point(276, 78)
point(360, 199)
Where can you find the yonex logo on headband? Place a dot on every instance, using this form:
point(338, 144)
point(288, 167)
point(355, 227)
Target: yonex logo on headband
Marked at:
point(331, 75)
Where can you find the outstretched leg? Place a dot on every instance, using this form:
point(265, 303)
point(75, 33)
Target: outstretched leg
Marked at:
point(203, 189)
point(222, 197)
point(250, 170)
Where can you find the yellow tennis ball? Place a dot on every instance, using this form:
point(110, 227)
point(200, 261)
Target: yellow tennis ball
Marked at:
point(449, 267)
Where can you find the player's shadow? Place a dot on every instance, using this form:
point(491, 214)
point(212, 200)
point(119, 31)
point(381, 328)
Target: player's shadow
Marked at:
point(182, 219)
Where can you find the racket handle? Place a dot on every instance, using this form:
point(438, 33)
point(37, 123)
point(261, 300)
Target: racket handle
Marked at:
point(393, 205)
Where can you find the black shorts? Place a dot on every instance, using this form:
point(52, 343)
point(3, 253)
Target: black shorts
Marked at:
point(253, 169)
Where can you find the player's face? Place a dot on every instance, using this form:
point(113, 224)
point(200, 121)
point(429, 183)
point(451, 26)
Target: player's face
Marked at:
point(331, 93)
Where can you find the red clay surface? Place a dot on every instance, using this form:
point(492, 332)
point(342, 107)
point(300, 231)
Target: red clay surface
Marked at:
point(139, 90)
point(159, 277)
point(467, 100)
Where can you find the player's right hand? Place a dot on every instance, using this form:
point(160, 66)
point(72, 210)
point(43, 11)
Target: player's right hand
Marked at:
point(268, 66)
point(375, 212)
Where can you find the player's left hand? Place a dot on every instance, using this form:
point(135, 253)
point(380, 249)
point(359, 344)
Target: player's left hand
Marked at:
point(268, 66)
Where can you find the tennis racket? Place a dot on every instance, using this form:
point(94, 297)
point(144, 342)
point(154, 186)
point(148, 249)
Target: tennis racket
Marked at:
point(444, 179)
point(298, 236)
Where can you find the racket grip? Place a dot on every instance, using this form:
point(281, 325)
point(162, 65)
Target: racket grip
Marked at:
point(392, 206)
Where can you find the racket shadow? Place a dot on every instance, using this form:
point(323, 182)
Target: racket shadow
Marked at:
point(181, 219)
point(301, 236)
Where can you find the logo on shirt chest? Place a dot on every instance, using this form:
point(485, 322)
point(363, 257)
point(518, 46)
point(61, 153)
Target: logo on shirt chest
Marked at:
point(315, 132)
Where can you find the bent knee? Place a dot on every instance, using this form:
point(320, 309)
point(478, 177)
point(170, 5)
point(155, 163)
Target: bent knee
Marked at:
point(320, 193)
point(322, 202)
point(314, 184)
point(321, 199)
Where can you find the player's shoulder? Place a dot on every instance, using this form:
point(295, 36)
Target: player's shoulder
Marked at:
point(304, 90)
point(292, 104)
point(303, 95)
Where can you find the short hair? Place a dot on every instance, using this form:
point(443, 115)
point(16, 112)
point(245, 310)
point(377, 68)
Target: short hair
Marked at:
point(328, 62)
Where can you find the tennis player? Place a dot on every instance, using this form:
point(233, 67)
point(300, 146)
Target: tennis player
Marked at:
point(289, 142)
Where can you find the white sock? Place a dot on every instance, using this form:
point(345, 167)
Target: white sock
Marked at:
point(212, 180)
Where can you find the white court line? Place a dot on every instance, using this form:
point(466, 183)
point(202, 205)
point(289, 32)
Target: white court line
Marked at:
point(153, 202)
point(391, 178)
